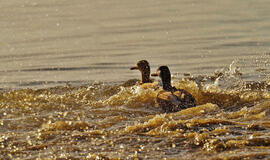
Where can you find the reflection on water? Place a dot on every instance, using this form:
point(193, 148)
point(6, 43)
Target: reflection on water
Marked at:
point(55, 40)
point(66, 88)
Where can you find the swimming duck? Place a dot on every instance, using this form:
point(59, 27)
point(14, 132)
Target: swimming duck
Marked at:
point(170, 98)
point(144, 68)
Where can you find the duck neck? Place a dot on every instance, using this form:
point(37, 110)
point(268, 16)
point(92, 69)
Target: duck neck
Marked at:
point(167, 84)
point(146, 77)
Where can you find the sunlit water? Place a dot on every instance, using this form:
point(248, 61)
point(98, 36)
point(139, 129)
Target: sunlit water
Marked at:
point(64, 71)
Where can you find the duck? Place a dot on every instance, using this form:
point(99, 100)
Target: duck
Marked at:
point(144, 68)
point(170, 98)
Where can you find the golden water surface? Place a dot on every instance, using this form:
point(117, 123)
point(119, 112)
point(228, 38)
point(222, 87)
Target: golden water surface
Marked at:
point(122, 121)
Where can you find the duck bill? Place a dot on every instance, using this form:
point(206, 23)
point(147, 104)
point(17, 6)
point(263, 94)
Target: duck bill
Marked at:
point(134, 68)
point(154, 74)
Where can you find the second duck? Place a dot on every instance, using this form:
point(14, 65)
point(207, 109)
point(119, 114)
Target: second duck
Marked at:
point(170, 98)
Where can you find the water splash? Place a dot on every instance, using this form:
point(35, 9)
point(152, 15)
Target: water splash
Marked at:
point(228, 78)
point(103, 120)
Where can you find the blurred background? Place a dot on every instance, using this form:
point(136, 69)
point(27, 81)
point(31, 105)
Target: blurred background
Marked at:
point(47, 43)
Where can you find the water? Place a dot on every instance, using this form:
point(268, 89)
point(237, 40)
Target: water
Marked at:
point(63, 65)
point(51, 41)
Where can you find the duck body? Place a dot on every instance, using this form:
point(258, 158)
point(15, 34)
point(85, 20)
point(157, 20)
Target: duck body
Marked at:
point(144, 68)
point(153, 85)
point(174, 101)
point(169, 98)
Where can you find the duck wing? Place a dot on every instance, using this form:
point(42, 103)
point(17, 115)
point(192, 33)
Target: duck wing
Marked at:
point(167, 101)
point(176, 100)
point(185, 98)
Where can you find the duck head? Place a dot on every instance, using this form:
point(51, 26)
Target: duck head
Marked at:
point(164, 73)
point(144, 68)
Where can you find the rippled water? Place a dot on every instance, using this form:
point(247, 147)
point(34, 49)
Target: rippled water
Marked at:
point(46, 43)
point(65, 79)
